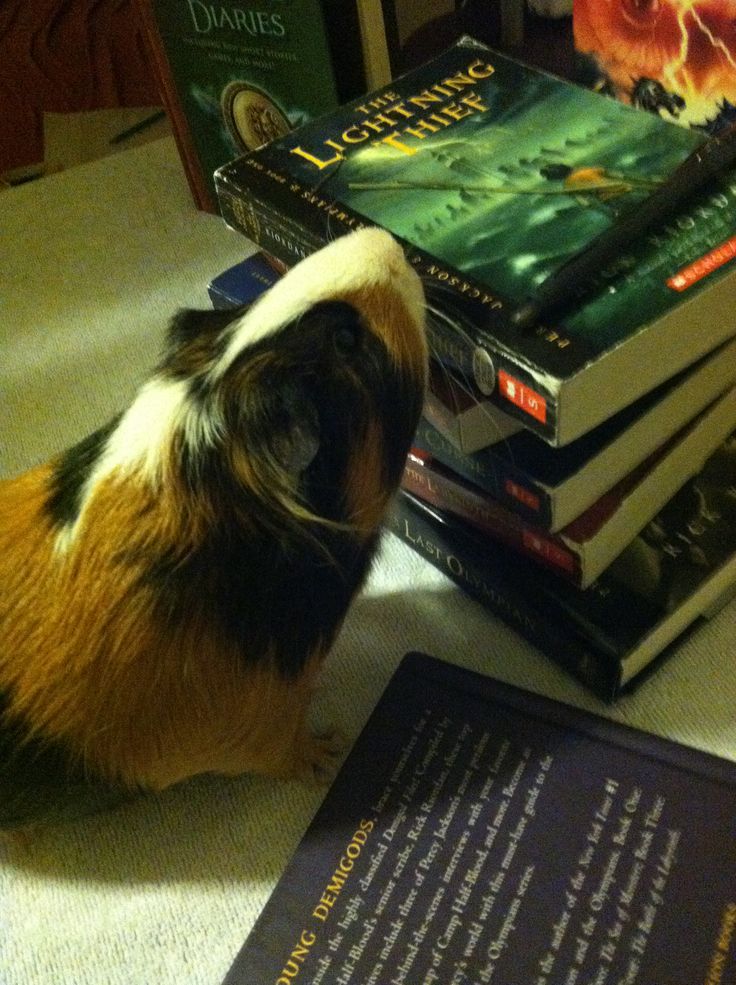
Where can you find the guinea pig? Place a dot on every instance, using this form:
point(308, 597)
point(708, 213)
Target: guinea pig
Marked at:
point(170, 586)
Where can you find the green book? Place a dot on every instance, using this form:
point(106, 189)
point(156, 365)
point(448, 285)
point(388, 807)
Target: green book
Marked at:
point(494, 174)
point(235, 75)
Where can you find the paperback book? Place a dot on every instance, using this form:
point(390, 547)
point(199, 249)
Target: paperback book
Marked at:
point(242, 283)
point(583, 549)
point(478, 833)
point(233, 76)
point(493, 174)
point(680, 570)
point(674, 59)
point(459, 411)
point(553, 486)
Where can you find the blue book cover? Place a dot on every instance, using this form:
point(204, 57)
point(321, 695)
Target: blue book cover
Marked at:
point(479, 833)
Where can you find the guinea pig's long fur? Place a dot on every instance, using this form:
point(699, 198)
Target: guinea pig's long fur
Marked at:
point(170, 585)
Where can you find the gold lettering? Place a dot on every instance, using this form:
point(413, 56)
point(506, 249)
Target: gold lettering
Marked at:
point(473, 99)
point(480, 70)
point(456, 112)
point(354, 135)
point(438, 119)
point(455, 82)
point(424, 98)
point(316, 160)
point(421, 129)
point(392, 139)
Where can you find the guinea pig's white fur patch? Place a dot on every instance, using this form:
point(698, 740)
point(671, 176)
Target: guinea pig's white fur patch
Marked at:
point(137, 445)
point(368, 257)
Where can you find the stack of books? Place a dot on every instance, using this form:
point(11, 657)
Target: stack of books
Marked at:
point(579, 478)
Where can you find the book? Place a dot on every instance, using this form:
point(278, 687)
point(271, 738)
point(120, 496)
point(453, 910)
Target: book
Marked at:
point(243, 282)
point(460, 412)
point(493, 174)
point(584, 548)
point(553, 486)
point(676, 61)
point(480, 833)
point(677, 572)
point(376, 55)
point(234, 76)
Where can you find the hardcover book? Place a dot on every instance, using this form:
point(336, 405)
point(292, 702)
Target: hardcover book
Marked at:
point(235, 75)
point(478, 833)
point(583, 549)
point(553, 486)
point(680, 570)
point(493, 174)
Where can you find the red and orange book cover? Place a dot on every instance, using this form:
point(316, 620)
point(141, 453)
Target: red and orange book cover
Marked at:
point(676, 58)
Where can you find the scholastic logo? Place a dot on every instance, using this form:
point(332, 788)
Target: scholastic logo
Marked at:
point(523, 495)
point(522, 396)
point(547, 550)
point(703, 266)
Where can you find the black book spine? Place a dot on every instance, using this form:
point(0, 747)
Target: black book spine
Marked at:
point(487, 580)
point(488, 471)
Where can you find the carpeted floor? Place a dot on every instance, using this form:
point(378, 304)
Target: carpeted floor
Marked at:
point(164, 890)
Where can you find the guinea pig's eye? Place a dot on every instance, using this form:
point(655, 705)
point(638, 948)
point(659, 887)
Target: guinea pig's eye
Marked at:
point(346, 339)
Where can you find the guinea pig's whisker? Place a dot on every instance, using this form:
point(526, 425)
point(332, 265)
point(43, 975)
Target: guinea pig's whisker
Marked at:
point(458, 379)
point(442, 316)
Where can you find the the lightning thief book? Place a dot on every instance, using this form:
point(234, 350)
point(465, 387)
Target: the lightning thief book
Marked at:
point(493, 174)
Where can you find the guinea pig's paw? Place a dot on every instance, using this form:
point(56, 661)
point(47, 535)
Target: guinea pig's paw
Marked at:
point(319, 756)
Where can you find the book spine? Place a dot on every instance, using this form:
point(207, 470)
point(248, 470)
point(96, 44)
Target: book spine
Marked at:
point(490, 518)
point(489, 584)
point(182, 134)
point(273, 230)
point(501, 479)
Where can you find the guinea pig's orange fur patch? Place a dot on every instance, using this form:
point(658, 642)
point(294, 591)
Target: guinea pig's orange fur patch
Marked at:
point(147, 707)
point(365, 492)
point(394, 325)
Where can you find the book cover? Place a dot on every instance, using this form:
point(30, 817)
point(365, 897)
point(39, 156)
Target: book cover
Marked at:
point(243, 282)
point(552, 486)
point(493, 174)
point(235, 75)
point(583, 549)
point(671, 58)
point(478, 833)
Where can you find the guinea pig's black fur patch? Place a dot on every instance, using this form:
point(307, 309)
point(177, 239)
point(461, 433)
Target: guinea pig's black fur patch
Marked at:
point(70, 473)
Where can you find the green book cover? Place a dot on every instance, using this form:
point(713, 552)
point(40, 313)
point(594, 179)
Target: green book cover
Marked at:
point(494, 174)
point(236, 75)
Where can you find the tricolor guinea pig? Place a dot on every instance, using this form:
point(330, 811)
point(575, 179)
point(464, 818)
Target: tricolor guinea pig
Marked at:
point(170, 586)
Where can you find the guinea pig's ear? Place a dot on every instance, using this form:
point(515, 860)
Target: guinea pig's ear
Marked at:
point(295, 441)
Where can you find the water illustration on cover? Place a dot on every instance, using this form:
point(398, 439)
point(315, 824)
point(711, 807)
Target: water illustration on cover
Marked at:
point(504, 172)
